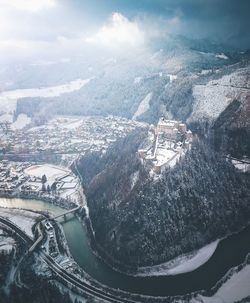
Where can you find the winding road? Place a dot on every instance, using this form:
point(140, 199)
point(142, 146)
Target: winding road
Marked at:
point(81, 285)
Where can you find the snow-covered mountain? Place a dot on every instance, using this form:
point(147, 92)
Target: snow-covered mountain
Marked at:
point(119, 83)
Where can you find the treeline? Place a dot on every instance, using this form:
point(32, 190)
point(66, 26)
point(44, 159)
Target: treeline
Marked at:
point(105, 95)
point(94, 163)
point(36, 288)
point(201, 199)
point(231, 131)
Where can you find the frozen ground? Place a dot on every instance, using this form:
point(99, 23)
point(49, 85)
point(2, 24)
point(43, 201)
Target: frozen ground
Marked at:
point(8, 98)
point(233, 290)
point(22, 218)
point(182, 264)
point(143, 106)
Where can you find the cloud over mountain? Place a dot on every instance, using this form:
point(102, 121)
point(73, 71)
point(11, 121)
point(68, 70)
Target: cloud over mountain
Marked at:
point(118, 32)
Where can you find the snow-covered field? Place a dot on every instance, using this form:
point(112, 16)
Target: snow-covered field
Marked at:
point(52, 172)
point(143, 106)
point(182, 264)
point(233, 290)
point(8, 98)
point(22, 218)
point(68, 183)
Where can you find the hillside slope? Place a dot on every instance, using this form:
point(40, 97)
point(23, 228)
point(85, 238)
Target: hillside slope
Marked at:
point(143, 221)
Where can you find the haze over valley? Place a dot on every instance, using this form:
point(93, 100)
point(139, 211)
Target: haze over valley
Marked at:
point(124, 151)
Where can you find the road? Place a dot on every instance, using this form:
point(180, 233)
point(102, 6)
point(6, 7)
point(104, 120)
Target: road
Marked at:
point(66, 276)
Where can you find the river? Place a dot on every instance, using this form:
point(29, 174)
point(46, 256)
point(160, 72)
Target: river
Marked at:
point(229, 253)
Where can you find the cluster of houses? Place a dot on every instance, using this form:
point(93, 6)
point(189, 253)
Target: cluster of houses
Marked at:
point(66, 136)
point(12, 175)
point(51, 244)
point(168, 141)
point(51, 247)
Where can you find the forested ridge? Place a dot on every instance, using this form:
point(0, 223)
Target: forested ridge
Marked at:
point(231, 131)
point(201, 199)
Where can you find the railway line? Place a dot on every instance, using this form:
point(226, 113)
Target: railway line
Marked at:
point(66, 276)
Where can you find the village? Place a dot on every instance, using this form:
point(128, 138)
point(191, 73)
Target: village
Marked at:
point(69, 137)
point(167, 142)
point(66, 137)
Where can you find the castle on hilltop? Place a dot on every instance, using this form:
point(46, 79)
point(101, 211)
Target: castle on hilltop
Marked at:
point(173, 130)
point(169, 140)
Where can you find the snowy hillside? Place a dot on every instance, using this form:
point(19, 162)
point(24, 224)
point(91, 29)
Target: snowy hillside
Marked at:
point(211, 99)
point(143, 106)
point(8, 99)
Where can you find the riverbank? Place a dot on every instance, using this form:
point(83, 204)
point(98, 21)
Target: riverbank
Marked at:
point(67, 257)
point(24, 219)
point(54, 200)
point(181, 264)
point(176, 286)
point(233, 287)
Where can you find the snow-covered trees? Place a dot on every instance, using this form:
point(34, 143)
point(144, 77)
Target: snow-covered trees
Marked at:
point(201, 199)
point(44, 179)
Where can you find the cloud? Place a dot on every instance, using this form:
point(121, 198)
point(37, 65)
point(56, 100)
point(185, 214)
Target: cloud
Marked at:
point(119, 32)
point(28, 5)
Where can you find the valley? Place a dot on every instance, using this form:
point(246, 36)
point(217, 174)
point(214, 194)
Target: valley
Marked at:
point(124, 177)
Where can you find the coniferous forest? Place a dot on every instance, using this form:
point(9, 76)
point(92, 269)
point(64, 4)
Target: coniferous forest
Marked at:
point(157, 219)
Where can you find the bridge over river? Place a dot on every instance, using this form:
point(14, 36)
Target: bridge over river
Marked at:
point(74, 210)
point(80, 285)
point(178, 286)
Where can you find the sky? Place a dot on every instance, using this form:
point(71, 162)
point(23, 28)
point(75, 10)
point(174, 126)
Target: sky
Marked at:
point(37, 27)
